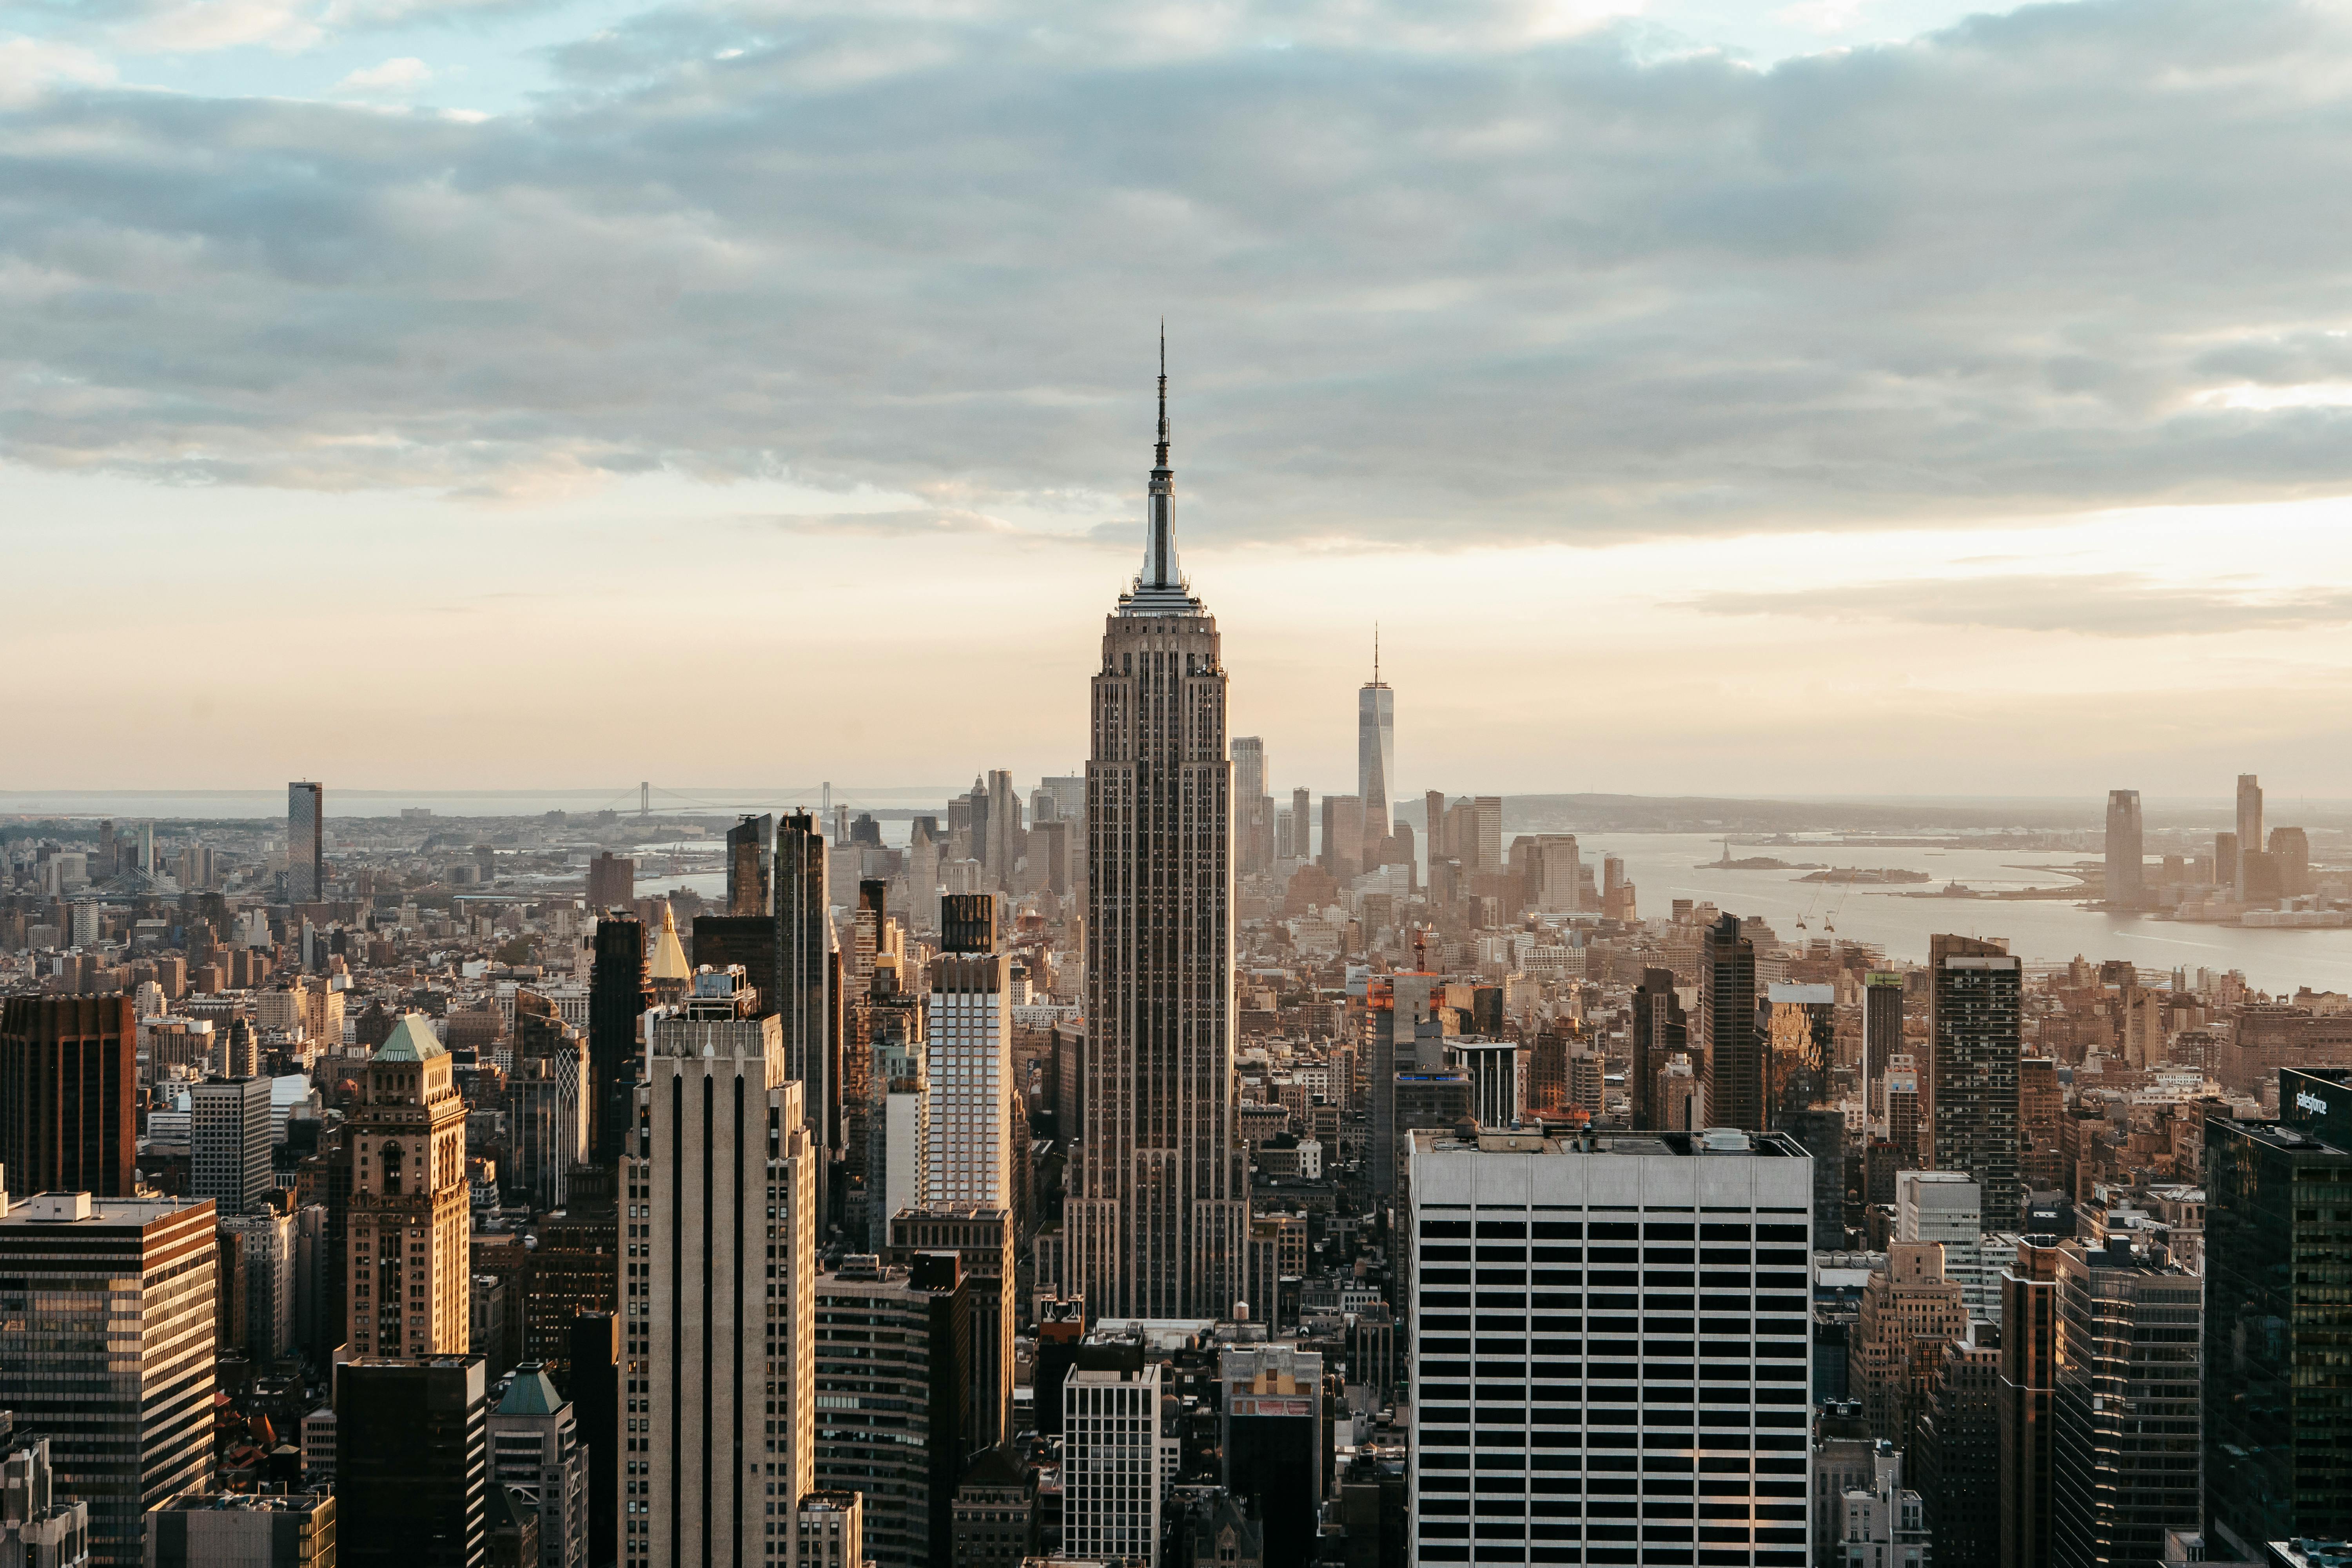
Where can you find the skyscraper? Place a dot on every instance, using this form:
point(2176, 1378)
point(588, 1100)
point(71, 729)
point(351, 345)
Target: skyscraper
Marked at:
point(547, 1100)
point(410, 1287)
point(805, 999)
point(306, 842)
point(1252, 808)
point(970, 1073)
point(1375, 758)
point(748, 865)
point(2249, 824)
point(1663, 1423)
point(68, 1094)
point(612, 882)
point(2278, 1256)
point(535, 1447)
point(228, 1143)
point(106, 1348)
point(1486, 815)
point(1159, 1205)
point(2029, 1297)
point(1882, 1035)
point(727, 1163)
point(1661, 1033)
point(2124, 852)
point(2125, 1406)
point(620, 989)
point(2225, 861)
point(412, 1462)
point(1302, 824)
point(1732, 1077)
point(1004, 831)
point(1971, 1082)
point(895, 1420)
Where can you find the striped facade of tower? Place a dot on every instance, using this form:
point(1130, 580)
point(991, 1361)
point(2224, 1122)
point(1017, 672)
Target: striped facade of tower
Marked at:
point(1159, 1206)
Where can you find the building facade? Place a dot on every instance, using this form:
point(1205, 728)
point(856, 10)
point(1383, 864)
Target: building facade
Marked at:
point(2278, 1316)
point(717, 1446)
point(68, 1094)
point(412, 1462)
point(107, 1320)
point(1614, 1337)
point(2124, 1407)
point(229, 1141)
point(305, 843)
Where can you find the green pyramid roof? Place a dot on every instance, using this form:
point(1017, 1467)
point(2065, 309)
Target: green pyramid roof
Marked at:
point(412, 1040)
point(530, 1393)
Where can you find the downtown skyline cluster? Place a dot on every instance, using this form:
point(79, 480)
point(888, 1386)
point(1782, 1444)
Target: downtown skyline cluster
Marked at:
point(1152, 1168)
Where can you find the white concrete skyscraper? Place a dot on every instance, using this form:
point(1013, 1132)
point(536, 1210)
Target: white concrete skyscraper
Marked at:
point(1376, 759)
point(970, 1081)
point(723, 1446)
point(1158, 1202)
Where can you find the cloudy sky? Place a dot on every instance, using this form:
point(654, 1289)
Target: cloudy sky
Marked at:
point(1850, 396)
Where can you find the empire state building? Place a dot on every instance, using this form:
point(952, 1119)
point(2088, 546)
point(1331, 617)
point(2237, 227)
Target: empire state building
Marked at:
point(1160, 1203)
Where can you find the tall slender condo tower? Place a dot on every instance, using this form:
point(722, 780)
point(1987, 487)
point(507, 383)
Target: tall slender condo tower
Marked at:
point(1375, 758)
point(1161, 1205)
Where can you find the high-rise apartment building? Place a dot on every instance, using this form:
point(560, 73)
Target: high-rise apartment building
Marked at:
point(612, 882)
point(228, 1143)
point(807, 995)
point(412, 1462)
point(535, 1448)
point(1661, 1033)
point(2249, 824)
point(305, 843)
point(620, 991)
point(1111, 1464)
point(1376, 759)
point(2278, 1316)
point(1625, 1370)
point(893, 1394)
point(106, 1348)
point(409, 1284)
point(68, 1094)
point(969, 1069)
point(1972, 1083)
point(1731, 1078)
point(750, 866)
point(2124, 852)
point(1158, 1202)
point(720, 1399)
point(2125, 1406)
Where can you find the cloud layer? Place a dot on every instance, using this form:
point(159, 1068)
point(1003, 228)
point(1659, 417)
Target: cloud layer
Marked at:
point(1432, 274)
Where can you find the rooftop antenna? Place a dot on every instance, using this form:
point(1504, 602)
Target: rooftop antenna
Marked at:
point(1376, 653)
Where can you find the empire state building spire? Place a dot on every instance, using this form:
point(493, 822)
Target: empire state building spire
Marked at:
point(1160, 588)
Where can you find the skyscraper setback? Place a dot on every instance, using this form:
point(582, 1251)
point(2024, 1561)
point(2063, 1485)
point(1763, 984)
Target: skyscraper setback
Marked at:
point(1158, 1202)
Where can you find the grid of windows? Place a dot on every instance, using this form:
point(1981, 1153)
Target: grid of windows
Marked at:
point(1611, 1382)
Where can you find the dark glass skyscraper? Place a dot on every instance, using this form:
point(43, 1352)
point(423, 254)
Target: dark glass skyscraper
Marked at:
point(2278, 1310)
point(1660, 1033)
point(68, 1094)
point(306, 842)
point(748, 867)
point(2124, 1407)
point(619, 992)
point(1733, 1074)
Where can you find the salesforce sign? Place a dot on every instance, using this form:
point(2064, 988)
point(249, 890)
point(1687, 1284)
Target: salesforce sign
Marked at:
point(2317, 1101)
